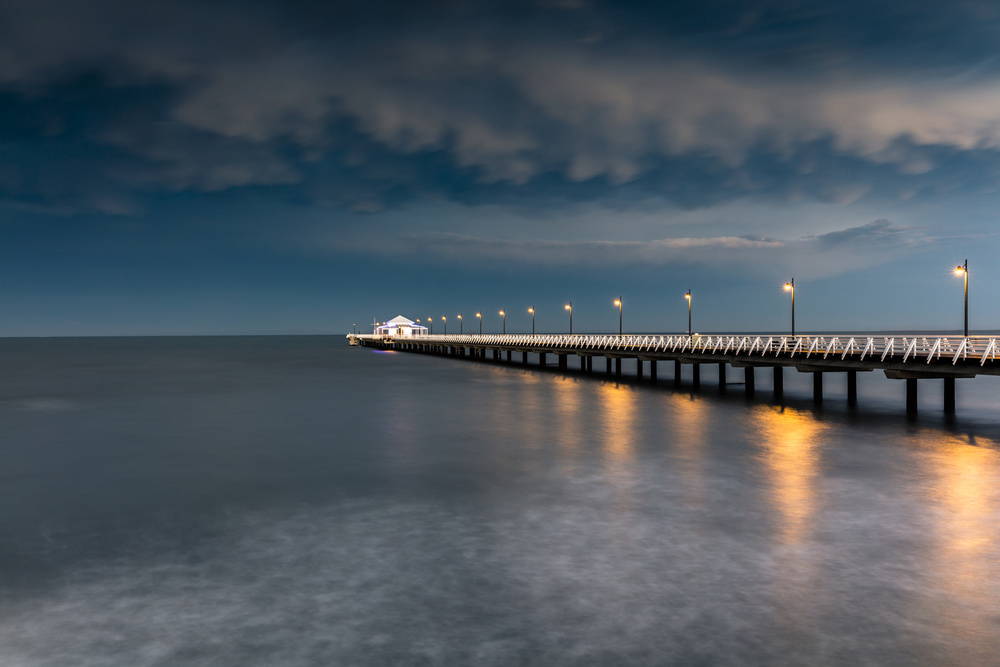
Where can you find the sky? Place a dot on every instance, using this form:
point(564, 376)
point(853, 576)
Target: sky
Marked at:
point(206, 167)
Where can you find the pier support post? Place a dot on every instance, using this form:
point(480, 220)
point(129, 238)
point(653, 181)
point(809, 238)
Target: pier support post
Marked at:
point(638, 368)
point(618, 369)
point(541, 359)
point(524, 358)
point(677, 371)
point(722, 376)
point(562, 362)
point(607, 365)
point(911, 396)
point(817, 387)
point(949, 395)
point(652, 371)
point(748, 384)
point(852, 387)
point(696, 375)
point(509, 352)
point(779, 381)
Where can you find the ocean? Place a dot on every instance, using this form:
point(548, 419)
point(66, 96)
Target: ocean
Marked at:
point(295, 501)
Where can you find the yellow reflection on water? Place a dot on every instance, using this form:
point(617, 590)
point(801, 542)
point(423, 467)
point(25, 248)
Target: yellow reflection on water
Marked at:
point(618, 409)
point(567, 412)
point(687, 422)
point(964, 566)
point(789, 446)
point(618, 404)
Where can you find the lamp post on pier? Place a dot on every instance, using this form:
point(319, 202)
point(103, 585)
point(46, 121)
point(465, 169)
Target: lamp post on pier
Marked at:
point(688, 297)
point(445, 320)
point(532, 311)
point(964, 271)
point(503, 314)
point(569, 307)
point(618, 302)
point(480, 316)
point(430, 323)
point(790, 287)
point(460, 330)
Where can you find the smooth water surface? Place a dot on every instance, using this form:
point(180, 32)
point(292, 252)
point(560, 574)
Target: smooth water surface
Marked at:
point(294, 501)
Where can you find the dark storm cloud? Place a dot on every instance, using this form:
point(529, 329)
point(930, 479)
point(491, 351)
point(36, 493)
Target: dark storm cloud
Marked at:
point(373, 104)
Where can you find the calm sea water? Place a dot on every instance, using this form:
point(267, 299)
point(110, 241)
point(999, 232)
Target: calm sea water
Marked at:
point(293, 501)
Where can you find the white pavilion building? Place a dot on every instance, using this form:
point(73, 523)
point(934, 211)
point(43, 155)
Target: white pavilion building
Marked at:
point(400, 326)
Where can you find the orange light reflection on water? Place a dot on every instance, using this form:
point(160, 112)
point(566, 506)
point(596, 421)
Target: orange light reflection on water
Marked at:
point(618, 414)
point(789, 445)
point(964, 565)
point(687, 423)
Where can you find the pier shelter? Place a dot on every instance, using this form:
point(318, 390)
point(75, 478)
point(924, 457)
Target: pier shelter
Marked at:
point(400, 327)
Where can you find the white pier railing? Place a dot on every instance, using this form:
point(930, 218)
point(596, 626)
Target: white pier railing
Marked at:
point(925, 348)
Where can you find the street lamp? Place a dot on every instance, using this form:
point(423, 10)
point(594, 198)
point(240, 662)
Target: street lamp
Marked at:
point(790, 287)
point(503, 314)
point(355, 328)
point(688, 297)
point(430, 321)
point(460, 324)
point(964, 271)
point(532, 311)
point(618, 302)
point(569, 307)
point(480, 316)
point(445, 320)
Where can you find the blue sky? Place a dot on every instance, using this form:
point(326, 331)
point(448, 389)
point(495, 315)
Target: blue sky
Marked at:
point(296, 167)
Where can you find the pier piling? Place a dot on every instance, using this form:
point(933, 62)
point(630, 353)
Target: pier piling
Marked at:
point(949, 395)
point(911, 396)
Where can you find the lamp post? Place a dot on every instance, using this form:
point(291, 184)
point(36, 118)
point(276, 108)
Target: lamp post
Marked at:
point(569, 307)
point(618, 302)
point(790, 287)
point(480, 316)
point(532, 311)
point(964, 271)
point(460, 330)
point(355, 328)
point(445, 320)
point(688, 297)
point(503, 314)
point(430, 322)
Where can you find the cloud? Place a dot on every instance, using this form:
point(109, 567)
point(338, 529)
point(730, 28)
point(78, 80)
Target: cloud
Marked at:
point(880, 232)
point(575, 100)
point(823, 255)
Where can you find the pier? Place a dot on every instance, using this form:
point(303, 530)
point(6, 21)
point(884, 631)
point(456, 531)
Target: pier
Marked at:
point(909, 358)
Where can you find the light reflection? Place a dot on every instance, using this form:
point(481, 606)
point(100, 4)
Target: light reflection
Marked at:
point(688, 426)
point(618, 411)
point(966, 555)
point(789, 448)
point(567, 413)
point(618, 406)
